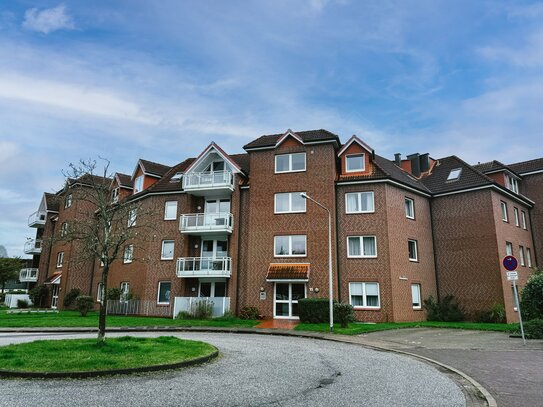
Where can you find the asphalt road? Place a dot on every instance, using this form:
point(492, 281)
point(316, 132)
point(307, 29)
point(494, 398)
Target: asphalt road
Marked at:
point(253, 370)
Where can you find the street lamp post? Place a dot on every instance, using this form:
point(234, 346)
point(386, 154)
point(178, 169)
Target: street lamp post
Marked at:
point(330, 280)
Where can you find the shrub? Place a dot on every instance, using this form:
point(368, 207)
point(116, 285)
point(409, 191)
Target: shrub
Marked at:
point(343, 314)
point(22, 304)
point(69, 298)
point(202, 309)
point(249, 313)
point(113, 294)
point(314, 310)
point(446, 310)
point(495, 315)
point(531, 303)
point(38, 295)
point(533, 329)
point(184, 315)
point(84, 304)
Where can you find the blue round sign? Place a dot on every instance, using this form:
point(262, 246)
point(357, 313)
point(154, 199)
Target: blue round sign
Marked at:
point(510, 263)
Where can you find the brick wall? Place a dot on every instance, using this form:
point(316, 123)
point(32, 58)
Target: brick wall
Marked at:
point(531, 186)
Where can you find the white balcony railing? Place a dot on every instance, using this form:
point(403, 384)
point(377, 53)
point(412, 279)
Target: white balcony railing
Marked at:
point(33, 246)
point(208, 180)
point(206, 222)
point(204, 267)
point(37, 219)
point(28, 275)
point(218, 305)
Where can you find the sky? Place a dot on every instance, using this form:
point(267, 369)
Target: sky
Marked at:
point(162, 79)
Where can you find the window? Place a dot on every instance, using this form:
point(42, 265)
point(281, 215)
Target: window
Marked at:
point(170, 210)
point(115, 195)
point(68, 201)
point(529, 256)
point(521, 255)
point(508, 248)
point(290, 246)
point(290, 162)
point(413, 250)
point(60, 259)
point(511, 183)
point(409, 208)
point(354, 163)
point(364, 295)
point(454, 174)
point(100, 292)
point(132, 215)
point(523, 217)
point(138, 184)
point(128, 254)
point(361, 246)
point(504, 211)
point(515, 211)
point(178, 176)
point(290, 202)
point(125, 291)
point(164, 289)
point(167, 250)
point(64, 229)
point(415, 296)
point(359, 202)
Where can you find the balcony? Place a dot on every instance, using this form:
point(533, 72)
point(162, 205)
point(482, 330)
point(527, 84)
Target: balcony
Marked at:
point(218, 305)
point(33, 246)
point(207, 183)
point(203, 267)
point(206, 223)
point(37, 219)
point(28, 275)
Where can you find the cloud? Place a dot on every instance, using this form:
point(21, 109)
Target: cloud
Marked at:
point(48, 20)
point(529, 54)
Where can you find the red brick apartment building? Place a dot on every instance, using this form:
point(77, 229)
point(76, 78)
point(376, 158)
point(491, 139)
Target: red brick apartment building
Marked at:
point(234, 228)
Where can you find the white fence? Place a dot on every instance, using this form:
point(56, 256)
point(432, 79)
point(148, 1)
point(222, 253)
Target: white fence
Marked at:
point(220, 305)
point(11, 299)
point(138, 307)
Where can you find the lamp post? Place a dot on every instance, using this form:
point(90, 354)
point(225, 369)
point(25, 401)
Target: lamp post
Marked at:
point(330, 281)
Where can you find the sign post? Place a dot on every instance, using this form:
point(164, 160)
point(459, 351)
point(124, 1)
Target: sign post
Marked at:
point(510, 263)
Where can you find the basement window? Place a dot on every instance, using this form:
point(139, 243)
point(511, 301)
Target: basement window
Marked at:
point(454, 174)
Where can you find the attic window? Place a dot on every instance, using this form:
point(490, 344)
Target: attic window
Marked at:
point(177, 177)
point(454, 174)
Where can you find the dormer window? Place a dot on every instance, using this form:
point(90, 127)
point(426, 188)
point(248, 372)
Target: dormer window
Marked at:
point(511, 183)
point(290, 162)
point(115, 195)
point(215, 166)
point(68, 201)
point(138, 184)
point(454, 174)
point(355, 163)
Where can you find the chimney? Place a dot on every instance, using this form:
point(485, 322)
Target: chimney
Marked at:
point(415, 164)
point(398, 159)
point(424, 162)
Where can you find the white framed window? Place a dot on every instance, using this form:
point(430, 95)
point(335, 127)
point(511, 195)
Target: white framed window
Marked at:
point(170, 210)
point(128, 255)
point(290, 246)
point(529, 256)
point(409, 208)
point(515, 212)
point(508, 248)
point(362, 246)
point(138, 184)
point(511, 183)
point(523, 217)
point(415, 296)
point(359, 202)
point(290, 162)
point(125, 290)
point(412, 247)
point(355, 162)
point(454, 174)
point(64, 229)
point(115, 195)
point(60, 259)
point(132, 215)
point(167, 250)
point(100, 292)
point(289, 202)
point(504, 211)
point(521, 255)
point(68, 201)
point(164, 290)
point(364, 295)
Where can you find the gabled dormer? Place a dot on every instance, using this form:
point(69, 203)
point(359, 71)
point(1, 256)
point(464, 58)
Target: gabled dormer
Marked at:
point(146, 174)
point(356, 157)
point(121, 187)
point(500, 173)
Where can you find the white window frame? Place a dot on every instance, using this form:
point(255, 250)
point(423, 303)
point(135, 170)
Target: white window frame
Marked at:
point(363, 155)
point(290, 195)
point(137, 181)
point(359, 199)
point(521, 256)
point(407, 214)
point(166, 205)
point(100, 293)
point(115, 195)
point(60, 259)
point(132, 217)
point(515, 212)
point(289, 246)
point(364, 296)
point(64, 229)
point(125, 291)
point(289, 301)
point(509, 249)
point(505, 215)
point(454, 174)
point(419, 294)
point(128, 249)
point(524, 223)
point(162, 250)
point(529, 256)
point(68, 201)
point(158, 293)
point(361, 240)
point(511, 183)
point(290, 163)
point(416, 258)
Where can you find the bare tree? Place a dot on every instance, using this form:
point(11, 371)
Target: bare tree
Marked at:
point(101, 228)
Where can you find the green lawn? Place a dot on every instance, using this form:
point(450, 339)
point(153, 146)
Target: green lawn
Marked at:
point(73, 319)
point(359, 328)
point(73, 355)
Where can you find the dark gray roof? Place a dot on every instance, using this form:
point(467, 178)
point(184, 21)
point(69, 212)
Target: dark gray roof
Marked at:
point(490, 166)
point(306, 136)
point(125, 180)
point(165, 184)
point(243, 161)
point(52, 202)
point(397, 174)
point(470, 177)
point(527, 166)
point(154, 168)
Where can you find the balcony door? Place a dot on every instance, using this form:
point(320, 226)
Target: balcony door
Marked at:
point(285, 301)
point(54, 296)
point(215, 248)
point(212, 289)
point(215, 210)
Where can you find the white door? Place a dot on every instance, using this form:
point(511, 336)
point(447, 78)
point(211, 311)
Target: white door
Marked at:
point(54, 296)
point(286, 296)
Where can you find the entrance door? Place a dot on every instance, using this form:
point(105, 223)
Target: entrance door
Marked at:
point(54, 296)
point(286, 299)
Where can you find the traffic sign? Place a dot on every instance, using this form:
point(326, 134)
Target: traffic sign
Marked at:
point(510, 263)
point(512, 276)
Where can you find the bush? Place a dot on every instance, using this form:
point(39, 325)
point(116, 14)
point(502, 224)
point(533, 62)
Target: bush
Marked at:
point(495, 315)
point(69, 298)
point(22, 304)
point(113, 294)
point(249, 313)
point(38, 295)
point(343, 314)
point(533, 329)
point(314, 310)
point(531, 303)
point(84, 304)
point(446, 310)
point(202, 309)
point(184, 315)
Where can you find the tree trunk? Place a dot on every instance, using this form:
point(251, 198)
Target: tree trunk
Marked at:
point(103, 307)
